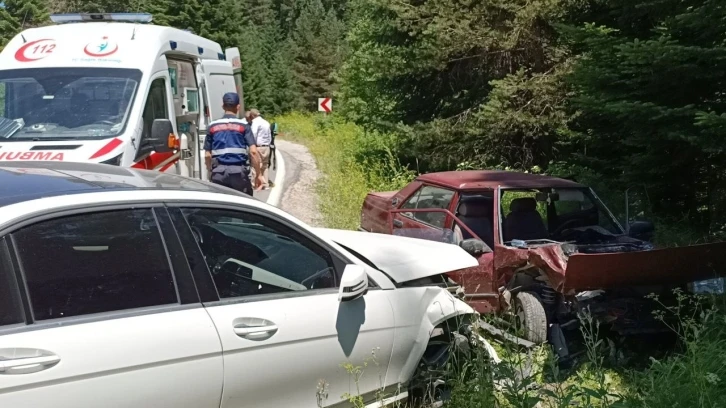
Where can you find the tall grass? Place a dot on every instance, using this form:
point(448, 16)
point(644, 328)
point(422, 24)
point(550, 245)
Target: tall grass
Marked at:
point(692, 375)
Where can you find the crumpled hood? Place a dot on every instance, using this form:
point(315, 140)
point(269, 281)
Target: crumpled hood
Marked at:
point(570, 273)
point(403, 259)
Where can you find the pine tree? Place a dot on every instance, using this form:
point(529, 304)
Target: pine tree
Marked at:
point(317, 41)
point(30, 13)
point(185, 15)
point(9, 26)
point(651, 102)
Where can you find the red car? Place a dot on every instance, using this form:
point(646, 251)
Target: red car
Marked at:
point(549, 244)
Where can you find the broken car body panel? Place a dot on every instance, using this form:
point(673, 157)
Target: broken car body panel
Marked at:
point(579, 272)
point(668, 266)
point(404, 259)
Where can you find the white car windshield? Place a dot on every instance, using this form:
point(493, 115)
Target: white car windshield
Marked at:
point(65, 103)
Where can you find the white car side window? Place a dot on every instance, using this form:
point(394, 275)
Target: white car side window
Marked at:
point(11, 311)
point(248, 254)
point(94, 263)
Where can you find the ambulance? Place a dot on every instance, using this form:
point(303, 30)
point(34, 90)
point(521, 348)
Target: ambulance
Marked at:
point(114, 89)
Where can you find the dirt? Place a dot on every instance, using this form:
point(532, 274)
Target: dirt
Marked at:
point(301, 178)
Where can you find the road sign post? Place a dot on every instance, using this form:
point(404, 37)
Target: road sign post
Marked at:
point(325, 105)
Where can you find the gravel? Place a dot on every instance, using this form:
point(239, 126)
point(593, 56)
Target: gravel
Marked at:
point(301, 178)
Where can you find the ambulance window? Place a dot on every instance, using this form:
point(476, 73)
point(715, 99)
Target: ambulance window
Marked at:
point(95, 263)
point(156, 107)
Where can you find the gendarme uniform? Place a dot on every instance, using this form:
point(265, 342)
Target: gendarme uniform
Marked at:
point(229, 140)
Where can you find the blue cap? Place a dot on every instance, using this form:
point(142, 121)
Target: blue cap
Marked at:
point(230, 99)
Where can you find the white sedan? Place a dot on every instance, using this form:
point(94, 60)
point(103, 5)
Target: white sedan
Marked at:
point(128, 288)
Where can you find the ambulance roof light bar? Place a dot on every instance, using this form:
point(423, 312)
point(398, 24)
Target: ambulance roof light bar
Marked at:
point(87, 17)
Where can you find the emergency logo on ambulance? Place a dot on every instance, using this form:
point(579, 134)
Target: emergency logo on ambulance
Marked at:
point(102, 48)
point(35, 50)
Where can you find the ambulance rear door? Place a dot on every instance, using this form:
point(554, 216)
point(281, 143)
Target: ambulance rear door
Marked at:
point(233, 56)
point(216, 79)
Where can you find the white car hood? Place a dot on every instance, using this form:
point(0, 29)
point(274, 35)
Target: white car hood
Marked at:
point(404, 259)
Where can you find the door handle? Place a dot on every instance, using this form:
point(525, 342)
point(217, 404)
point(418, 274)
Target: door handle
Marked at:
point(398, 223)
point(27, 365)
point(255, 332)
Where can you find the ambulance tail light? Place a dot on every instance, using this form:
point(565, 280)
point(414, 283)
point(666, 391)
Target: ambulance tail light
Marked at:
point(88, 17)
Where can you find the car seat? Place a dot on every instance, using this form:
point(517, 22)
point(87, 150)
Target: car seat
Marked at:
point(524, 222)
point(477, 215)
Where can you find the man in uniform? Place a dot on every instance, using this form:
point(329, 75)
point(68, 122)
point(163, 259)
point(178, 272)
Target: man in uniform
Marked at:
point(229, 148)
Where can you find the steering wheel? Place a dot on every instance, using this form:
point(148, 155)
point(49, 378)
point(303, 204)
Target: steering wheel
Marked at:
point(314, 277)
point(105, 122)
point(564, 226)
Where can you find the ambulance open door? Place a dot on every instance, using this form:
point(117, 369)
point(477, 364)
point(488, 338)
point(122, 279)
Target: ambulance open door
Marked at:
point(233, 56)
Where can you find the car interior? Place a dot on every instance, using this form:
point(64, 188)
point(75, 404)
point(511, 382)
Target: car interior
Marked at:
point(9, 313)
point(523, 221)
point(560, 214)
point(246, 258)
point(84, 272)
point(476, 212)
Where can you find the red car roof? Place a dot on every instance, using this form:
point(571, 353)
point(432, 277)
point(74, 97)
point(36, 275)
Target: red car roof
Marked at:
point(491, 179)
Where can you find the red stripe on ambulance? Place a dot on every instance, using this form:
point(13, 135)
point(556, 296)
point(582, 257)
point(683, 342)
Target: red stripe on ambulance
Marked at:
point(31, 156)
point(108, 148)
point(154, 160)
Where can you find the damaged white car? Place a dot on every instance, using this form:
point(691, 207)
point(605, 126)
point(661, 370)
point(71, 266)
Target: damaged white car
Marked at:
point(140, 288)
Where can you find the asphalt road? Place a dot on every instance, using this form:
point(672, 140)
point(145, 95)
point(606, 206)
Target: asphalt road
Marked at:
point(295, 181)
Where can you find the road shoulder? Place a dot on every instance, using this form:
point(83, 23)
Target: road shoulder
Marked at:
point(299, 180)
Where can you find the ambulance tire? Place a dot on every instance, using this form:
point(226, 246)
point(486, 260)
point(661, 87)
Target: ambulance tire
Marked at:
point(532, 317)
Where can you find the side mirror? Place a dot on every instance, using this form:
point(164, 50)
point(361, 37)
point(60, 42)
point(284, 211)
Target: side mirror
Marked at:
point(354, 283)
point(162, 136)
point(475, 247)
point(643, 230)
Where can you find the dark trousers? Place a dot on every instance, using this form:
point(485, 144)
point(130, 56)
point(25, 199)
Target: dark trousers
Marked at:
point(234, 177)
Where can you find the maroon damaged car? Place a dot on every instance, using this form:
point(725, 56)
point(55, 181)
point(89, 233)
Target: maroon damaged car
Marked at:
point(547, 248)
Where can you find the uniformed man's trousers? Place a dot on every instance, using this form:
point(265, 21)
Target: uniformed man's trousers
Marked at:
point(234, 177)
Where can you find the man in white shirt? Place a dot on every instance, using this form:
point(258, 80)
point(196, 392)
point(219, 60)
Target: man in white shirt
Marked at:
point(263, 136)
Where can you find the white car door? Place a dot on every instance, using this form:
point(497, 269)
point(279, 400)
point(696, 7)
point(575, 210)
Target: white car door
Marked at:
point(93, 312)
point(282, 328)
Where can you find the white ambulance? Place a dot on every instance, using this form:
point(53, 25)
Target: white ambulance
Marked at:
point(112, 88)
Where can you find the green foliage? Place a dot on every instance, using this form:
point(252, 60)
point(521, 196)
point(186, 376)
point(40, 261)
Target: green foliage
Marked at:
point(651, 106)
point(16, 15)
point(317, 38)
point(477, 82)
point(30, 13)
point(9, 26)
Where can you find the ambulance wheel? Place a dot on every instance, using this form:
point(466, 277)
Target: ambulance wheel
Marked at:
point(531, 317)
